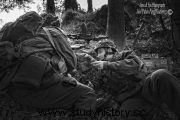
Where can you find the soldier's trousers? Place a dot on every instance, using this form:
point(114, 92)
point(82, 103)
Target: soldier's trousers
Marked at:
point(37, 84)
point(57, 96)
point(162, 87)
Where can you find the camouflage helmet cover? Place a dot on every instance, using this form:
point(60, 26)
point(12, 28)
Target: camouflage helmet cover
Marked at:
point(105, 44)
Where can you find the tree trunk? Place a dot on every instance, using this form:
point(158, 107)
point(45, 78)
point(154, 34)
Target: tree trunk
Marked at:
point(50, 7)
point(70, 4)
point(116, 23)
point(90, 6)
point(176, 32)
point(176, 23)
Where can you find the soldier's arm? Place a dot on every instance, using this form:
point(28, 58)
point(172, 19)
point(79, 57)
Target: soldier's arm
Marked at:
point(128, 64)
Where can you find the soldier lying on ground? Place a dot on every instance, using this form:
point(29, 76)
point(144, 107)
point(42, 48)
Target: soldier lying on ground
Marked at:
point(127, 78)
point(36, 70)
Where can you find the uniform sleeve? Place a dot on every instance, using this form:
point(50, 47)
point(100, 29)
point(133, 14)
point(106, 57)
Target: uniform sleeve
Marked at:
point(128, 64)
point(31, 71)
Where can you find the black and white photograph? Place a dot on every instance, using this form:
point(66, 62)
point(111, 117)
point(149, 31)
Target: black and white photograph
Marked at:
point(89, 60)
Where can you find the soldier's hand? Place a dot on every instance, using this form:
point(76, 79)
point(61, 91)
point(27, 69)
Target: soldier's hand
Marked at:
point(90, 57)
point(98, 64)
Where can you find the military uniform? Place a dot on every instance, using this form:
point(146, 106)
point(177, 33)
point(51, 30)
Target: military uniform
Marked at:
point(123, 75)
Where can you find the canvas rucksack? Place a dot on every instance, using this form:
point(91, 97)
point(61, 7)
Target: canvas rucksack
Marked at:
point(23, 28)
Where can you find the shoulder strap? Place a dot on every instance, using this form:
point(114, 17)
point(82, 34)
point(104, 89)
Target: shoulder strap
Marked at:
point(61, 63)
point(61, 46)
point(51, 40)
point(50, 37)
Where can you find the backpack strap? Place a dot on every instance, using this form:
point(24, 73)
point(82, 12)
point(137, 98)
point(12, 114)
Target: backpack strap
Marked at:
point(50, 37)
point(62, 47)
point(61, 63)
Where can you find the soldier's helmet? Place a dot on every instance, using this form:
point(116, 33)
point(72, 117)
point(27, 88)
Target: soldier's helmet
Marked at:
point(106, 44)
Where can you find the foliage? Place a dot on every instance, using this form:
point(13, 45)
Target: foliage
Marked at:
point(70, 15)
point(155, 39)
point(96, 21)
point(7, 5)
point(59, 7)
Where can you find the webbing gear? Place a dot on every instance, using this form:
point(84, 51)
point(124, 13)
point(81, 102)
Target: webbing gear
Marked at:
point(61, 63)
point(62, 48)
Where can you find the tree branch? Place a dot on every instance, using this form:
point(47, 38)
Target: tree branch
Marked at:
point(137, 36)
